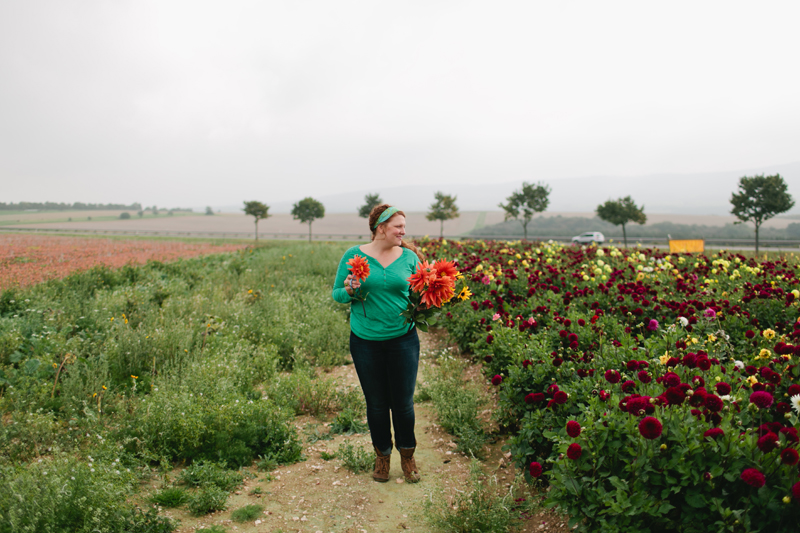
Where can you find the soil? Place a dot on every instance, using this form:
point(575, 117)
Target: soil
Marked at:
point(323, 496)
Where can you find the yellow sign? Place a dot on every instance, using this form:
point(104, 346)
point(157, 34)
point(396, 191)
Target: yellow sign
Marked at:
point(686, 245)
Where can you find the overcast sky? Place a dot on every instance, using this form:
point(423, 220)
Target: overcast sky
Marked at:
point(192, 103)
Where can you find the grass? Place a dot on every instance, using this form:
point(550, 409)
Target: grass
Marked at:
point(247, 513)
point(170, 497)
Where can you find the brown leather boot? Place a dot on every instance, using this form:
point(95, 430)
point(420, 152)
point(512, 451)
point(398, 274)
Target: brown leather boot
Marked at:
point(382, 463)
point(408, 464)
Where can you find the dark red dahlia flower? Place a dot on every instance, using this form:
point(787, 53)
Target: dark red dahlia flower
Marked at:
point(573, 429)
point(675, 396)
point(789, 456)
point(762, 399)
point(535, 469)
point(560, 397)
point(612, 376)
point(628, 386)
point(574, 451)
point(723, 389)
point(768, 442)
point(714, 433)
point(650, 428)
point(671, 379)
point(753, 477)
point(713, 403)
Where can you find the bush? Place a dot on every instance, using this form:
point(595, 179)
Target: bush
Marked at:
point(346, 423)
point(203, 473)
point(247, 513)
point(356, 459)
point(170, 497)
point(208, 499)
point(124, 215)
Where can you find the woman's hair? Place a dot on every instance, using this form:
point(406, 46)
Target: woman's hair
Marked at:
point(376, 213)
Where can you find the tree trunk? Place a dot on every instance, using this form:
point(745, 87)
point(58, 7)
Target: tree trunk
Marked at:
point(309, 232)
point(441, 229)
point(757, 224)
point(624, 236)
point(256, 230)
point(525, 231)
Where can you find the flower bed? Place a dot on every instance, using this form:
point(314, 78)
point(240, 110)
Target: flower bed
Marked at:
point(653, 392)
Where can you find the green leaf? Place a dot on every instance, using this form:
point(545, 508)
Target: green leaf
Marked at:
point(31, 366)
point(16, 357)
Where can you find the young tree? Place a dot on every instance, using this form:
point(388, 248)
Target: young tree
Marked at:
point(307, 211)
point(444, 208)
point(621, 211)
point(530, 200)
point(370, 201)
point(209, 211)
point(255, 209)
point(760, 198)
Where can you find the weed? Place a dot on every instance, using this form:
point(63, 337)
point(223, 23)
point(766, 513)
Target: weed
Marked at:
point(204, 473)
point(208, 499)
point(212, 529)
point(356, 459)
point(257, 491)
point(316, 435)
point(481, 508)
point(327, 456)
point(170, 497)
point(347, 423)
point(247, 513)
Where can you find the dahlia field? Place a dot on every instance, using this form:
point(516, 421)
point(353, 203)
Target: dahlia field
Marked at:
point(643, 391)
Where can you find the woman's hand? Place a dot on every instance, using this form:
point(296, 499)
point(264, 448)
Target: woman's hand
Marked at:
point(351, 284)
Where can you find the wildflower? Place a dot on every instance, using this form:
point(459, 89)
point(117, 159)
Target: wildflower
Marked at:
point(768, 334)
point(762, 399)
point(535, 469)
point(465, 294)
point(754, 478)
point(650, 428)
point(358, 267)
point(574, 451)
point(573, 429)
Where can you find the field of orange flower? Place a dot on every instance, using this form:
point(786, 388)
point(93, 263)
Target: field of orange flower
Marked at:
point(30, 259)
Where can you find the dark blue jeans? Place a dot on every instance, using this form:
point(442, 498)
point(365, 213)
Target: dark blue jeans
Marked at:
point(387, 371)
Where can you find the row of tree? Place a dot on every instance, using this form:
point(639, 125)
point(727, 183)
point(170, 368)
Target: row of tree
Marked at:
point(77, 206)
point(758, 199)
point(308, 210)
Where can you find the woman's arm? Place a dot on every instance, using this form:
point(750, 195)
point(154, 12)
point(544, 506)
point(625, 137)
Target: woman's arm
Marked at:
point(341, 285)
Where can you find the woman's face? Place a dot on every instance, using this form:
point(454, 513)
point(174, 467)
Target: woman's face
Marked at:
point(394, 230)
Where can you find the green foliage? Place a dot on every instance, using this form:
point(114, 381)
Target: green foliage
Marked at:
point(357, 459)
point(444, 208)
point(66, 494)
point(204, 473)
point(370, 201)
point(307, 211)
point(305, 393)
point(531, 199)
point(212, 529)
point(124, 215)
point(254, 208)
point(457, 405)
point(170, 497)
point(482, 507)
point(620, 212)
point(208, 499)
point(247, 513)
point(347, 423)
point(759, 199)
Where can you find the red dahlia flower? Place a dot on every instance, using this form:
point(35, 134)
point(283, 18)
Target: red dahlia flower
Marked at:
point(497, 380)
point(790, 434)
point(723, 388)
point(675, 395)
point(671, 379)
point(749, 333)
point(359, 267)
point(612, 376)
point(644, 377)
point(560, 397)
point(650, 428)
point(573, 429)
point(753, 477)
point(535, 469)
point(713, 403)
point(762, 399)
point(574, 451)
point(714, 433)
point(789, 456)
point(629, 386)
point(768, 442)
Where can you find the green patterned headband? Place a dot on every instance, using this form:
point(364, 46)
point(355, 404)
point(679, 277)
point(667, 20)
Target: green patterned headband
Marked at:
point(386, 215)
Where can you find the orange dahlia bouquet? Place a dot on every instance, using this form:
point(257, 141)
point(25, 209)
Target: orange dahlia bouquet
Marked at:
point(359, 268)
point(432, 286)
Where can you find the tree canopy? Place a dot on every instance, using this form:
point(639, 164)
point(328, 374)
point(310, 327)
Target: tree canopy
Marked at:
point(370, 201)
point(307, 211)
point(444, 208)
point(533, 198)
point(254, 209)
point(759, 199)
point(620, 212)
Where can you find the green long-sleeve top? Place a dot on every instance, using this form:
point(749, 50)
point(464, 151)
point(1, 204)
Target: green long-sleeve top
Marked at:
point(387, 296)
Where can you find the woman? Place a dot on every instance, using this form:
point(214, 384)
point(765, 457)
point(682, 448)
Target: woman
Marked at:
point(385, 349)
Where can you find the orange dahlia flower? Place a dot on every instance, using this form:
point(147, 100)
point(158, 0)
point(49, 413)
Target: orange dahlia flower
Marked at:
point(359, 267)
point(445, 268)
point(422, 277)
point(439, 291)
